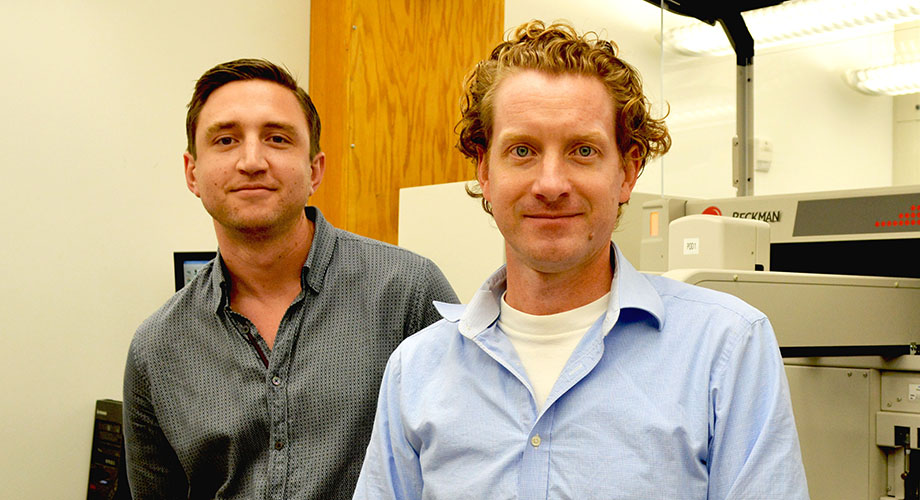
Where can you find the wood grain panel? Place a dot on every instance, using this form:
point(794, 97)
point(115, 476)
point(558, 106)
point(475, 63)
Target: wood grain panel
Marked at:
point(330, 39)
point(406, 85)
point(405, 67)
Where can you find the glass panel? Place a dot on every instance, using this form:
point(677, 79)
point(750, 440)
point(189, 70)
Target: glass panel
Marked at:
point(815, 130)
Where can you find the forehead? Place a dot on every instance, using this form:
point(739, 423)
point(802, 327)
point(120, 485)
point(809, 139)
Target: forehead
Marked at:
point(252, 102)
point(537, 102)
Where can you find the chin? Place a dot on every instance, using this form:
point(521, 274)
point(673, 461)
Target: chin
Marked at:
point(555, 258)
point(549, 259)
point(249, 225)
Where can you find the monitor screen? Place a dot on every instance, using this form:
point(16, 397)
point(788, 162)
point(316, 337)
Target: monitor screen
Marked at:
point(187, 264)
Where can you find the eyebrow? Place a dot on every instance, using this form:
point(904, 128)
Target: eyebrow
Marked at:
point(596, 136)
point(222, 126)
point(290, 129)
point(515, 136)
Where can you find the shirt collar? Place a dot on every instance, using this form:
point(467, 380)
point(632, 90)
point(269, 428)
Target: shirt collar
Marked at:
point(314, 268)
point(321, 251)
point(220, 292)
point(630, 289)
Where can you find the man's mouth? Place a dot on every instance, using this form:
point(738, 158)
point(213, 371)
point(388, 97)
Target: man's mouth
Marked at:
point(251, 187)
point(551, 215)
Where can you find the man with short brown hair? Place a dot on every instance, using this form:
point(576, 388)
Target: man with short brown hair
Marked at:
point(259, 378)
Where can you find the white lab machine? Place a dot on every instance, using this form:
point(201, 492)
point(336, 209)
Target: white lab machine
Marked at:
point(837, 273)
point(842, 290)
point(707, 242)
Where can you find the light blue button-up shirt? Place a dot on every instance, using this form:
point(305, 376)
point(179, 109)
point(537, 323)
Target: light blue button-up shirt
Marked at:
point(677, 392)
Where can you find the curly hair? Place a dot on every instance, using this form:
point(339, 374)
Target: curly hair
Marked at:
point(558, 49)
point(248, 69)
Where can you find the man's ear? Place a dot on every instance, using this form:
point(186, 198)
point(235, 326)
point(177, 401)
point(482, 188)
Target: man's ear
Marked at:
point(190, 180)
point(482, 172)
point(631, 164)
point(317, 169)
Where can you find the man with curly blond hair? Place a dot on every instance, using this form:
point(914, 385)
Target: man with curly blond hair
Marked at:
point(570, 374)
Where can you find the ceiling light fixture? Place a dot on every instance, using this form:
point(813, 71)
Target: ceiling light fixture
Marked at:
point(796, 21)
point(892, 79)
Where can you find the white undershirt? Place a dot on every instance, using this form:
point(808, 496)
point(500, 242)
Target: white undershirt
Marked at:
point(545, 343)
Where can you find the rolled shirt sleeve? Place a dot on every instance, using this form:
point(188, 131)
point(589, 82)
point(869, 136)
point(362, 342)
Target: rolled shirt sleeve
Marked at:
point(391, 467)
point(154, 471)
point(754, 452)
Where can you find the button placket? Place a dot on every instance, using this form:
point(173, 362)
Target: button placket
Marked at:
point(535, 461)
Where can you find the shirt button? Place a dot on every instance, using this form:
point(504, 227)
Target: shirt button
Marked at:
point(279, 445)
point(535, 440)
point(244, 329)
point(276, 381)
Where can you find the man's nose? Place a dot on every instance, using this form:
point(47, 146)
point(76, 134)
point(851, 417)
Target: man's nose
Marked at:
point(552, 180)
point(252, 159)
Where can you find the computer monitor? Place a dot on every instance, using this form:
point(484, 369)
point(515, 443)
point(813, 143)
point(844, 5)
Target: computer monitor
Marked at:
point(187, 264)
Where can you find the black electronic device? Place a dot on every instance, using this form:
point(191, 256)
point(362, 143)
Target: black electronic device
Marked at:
point(108, 478)
point(187, 264)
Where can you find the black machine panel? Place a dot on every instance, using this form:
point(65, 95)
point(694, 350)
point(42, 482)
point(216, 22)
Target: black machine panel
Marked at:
point(896, 258)
point(107, 476)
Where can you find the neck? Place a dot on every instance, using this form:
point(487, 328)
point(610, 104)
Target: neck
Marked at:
point(262, 265)
point(536, 292)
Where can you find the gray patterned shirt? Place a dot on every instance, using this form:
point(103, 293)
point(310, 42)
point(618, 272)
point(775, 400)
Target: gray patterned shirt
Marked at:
point(206, 418)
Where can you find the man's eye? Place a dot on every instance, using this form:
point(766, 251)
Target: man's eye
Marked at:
point(585, 151)
point(224, 141)
point(521, 151)
point(277, 139)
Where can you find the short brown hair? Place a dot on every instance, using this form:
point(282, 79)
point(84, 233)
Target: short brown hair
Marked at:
point(558, 49)
point(248, 69)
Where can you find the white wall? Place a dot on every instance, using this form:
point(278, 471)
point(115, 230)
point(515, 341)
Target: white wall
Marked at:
point(94, 203)
point(467, 250)
point(93, 96)
point(826, 135)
